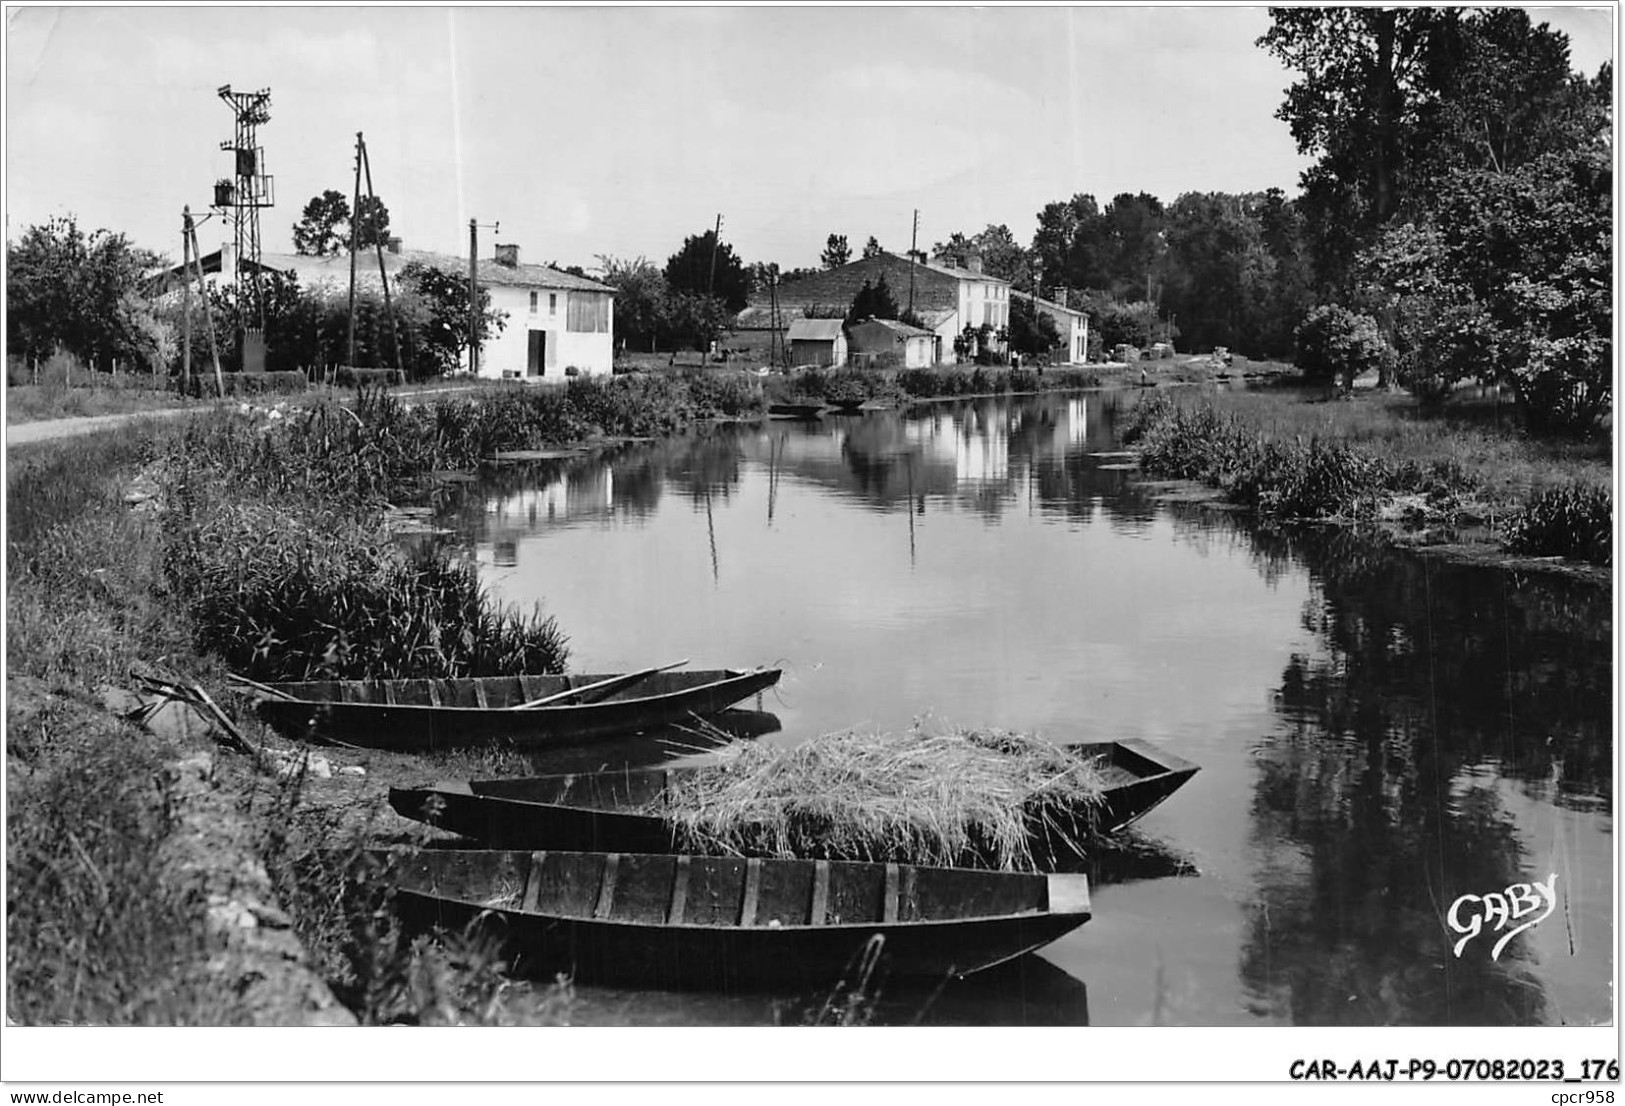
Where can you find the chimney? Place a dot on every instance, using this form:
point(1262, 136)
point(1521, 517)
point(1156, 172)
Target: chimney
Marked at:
point(394, 245)
point(508, 255)
point(973, 262)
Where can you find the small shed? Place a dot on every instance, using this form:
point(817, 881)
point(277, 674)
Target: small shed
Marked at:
point(913, 347)
point(817, 343)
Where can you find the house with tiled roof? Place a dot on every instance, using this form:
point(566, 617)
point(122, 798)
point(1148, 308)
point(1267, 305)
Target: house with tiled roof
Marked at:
point(555, 320)
point(946, 298)
point(1071, 324)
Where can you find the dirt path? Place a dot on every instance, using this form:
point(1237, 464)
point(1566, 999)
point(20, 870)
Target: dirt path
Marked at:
point(48, 430)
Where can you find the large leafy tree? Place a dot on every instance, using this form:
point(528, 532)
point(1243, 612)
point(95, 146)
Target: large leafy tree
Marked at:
point(1031, 330)
point(640, 299)
point(1219, 272)
point(323, 228)
point(706, 267)
point(1509, 280)
point(1369, 80)
point(443, 337)
point(80, 292)
point(872, 248)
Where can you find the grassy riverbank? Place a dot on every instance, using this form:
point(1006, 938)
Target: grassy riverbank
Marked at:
point(1465, 472)
point(251, 538)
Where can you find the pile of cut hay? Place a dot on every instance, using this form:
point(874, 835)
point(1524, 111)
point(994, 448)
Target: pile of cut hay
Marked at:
point(962, 797)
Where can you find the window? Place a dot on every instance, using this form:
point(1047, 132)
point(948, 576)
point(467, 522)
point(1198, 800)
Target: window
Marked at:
point(533, 303)
point(552, 303)
point(588, 313)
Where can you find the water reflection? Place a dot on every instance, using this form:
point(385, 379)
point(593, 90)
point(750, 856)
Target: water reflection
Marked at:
point(1379, 734)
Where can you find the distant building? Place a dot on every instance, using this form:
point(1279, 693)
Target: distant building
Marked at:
point(947, 299)
point(913, 347)
point(816, 343)
point(555, 320)
point(1071, 324)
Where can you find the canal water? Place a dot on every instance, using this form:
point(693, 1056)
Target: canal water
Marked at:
point(1380, 735)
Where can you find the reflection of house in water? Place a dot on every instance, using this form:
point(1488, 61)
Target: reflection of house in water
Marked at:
point(582, 493)
point(976, 445)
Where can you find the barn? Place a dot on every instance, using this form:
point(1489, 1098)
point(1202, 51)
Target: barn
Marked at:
point(817, 343)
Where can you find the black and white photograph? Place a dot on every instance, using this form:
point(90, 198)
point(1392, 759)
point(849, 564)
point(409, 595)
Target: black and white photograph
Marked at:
point(1091, 525)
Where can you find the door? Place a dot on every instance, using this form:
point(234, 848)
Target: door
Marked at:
point(536, 353)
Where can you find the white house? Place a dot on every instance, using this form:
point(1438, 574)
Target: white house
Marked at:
point(1072, 325)
point(556, 321)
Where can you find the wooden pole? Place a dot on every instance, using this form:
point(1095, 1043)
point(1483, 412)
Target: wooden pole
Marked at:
point(473, 298)
point(913, 249)
point(389, 306)
point(354, 213)
point(208, 316)
point(186, 301)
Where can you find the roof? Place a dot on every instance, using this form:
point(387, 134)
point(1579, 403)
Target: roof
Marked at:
point(934, 319)
point(899, 328)
point(1049, 303)
point(815, 330)
point(959, 274)
point(337, 268)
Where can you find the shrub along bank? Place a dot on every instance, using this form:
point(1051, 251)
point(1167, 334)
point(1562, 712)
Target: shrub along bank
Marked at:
point(1292, 460)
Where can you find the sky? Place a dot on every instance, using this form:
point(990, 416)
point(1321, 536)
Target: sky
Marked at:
point(589, 131)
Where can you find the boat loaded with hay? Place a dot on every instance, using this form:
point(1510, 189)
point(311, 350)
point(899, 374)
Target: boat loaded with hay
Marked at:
point(525, 711)
point(728, 922)
point(974, 798)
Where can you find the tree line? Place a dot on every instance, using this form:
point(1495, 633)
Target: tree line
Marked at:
point(1456, 224)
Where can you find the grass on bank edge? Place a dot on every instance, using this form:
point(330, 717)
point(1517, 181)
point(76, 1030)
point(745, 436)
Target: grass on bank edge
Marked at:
point(1294, 455)
point(98, 930)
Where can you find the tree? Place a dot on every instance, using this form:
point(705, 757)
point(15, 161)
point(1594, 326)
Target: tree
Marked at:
point(873, 301)
point(872, 248)
point(836, 252)
point(640, 299)
point(322, 229)
point(1335, 343)
point(1031, 331)
point(1509, 279)
point(702, 270)
point(372, 223)
point(955, 251)
point(1218, 273)
point(82, 293)
point(444, 298)
point(1002, 255)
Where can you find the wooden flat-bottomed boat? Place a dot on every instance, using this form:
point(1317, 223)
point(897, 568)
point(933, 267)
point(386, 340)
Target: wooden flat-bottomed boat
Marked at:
point(621, 810)
point(665, 920)
point(525, 711)
point(796, 410)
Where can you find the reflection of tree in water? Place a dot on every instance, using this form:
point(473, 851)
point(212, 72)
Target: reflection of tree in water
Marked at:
point(1365, 831)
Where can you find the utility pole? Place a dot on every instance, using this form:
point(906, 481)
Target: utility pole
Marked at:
point(186, 300)
point(913, 250)
point(473, 298)
point(378, 245)
point(716, 239)
point(354, 211)
point(474, 294)
point(208, 316)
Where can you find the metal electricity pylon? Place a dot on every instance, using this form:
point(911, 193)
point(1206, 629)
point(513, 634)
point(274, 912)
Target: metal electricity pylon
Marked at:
point(240, 197)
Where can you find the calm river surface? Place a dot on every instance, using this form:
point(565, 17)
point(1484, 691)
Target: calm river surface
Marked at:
point(1378, 734)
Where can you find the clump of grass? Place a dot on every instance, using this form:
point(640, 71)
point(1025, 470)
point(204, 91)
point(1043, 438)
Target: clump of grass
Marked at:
point(1570, 521)
point(95, 932)
point(960, 797)
point(318, 595)
point(340, 897)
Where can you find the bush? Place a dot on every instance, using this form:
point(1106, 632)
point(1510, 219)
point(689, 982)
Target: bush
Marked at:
point(1572, 521)
point(248, 384)
point(1334, 342)
point(349, 376)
